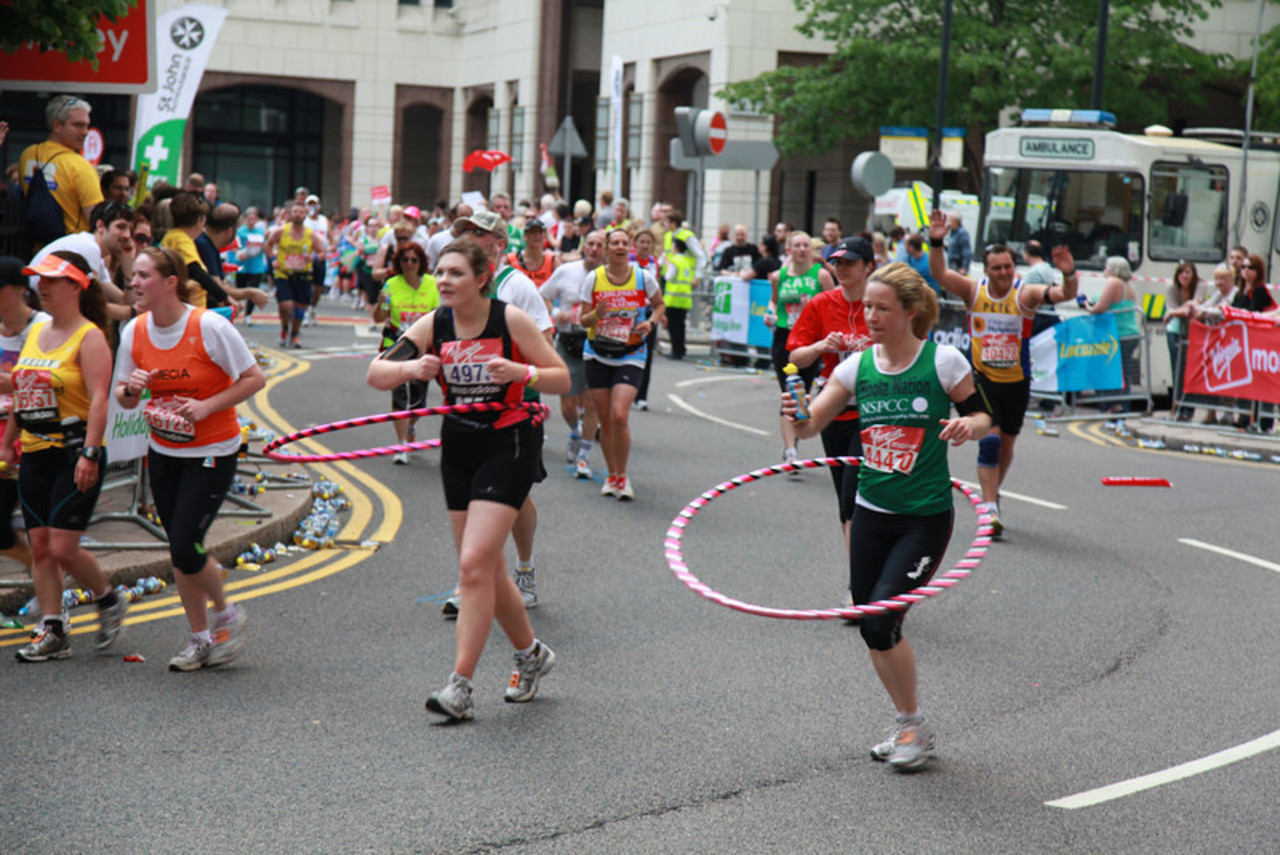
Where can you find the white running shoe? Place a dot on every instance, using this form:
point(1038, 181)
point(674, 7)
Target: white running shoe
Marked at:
point(454, 700)
point(401, 458)
point(529, 669)
point(582, 469)
point(524, 581)
point(625, 491)
point(912, 746)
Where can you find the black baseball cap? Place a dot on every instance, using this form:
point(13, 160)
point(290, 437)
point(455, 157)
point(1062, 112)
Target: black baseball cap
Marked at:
point(11, 271)
point(853, 249)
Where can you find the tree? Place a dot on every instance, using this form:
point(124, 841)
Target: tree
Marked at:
point(1032, 53)
point(66, 26)
point(1266, 89)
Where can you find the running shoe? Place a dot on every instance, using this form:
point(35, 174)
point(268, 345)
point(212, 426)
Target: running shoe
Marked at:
point(284, 339)
point(572, 449)
point(625, 491)
point(524, 581)
point(454, 700)
point(641, 404)
point(789, 456)
point(529, 669)
point(227, 634)
point(912, 746)
point(297, 343)
point(881, 751)
point(610, 487)
point(582, 469)
point(193, 657)
point(401, 458)
point(450, 607)
point(993, 511)
point(110, 619)
point(47, 645)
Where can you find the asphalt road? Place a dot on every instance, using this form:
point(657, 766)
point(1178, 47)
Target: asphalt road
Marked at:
point(1090, 648)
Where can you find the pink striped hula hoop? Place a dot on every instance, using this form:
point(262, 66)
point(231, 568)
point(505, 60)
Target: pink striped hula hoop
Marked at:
point(538, 410)
point(939, 583)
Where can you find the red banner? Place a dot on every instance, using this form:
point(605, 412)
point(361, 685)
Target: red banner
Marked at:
point(1238, 358)
point(126, 60)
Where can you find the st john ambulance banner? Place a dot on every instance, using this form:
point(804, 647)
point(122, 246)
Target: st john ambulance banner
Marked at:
point(184, 40)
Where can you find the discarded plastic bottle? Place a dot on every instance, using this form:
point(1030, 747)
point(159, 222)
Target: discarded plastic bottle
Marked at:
point(795, 388)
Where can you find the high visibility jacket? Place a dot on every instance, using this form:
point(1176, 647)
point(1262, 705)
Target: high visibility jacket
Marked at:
point(682, 270)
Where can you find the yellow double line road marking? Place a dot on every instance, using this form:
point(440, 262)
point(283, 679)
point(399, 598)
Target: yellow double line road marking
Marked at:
point(308, 568)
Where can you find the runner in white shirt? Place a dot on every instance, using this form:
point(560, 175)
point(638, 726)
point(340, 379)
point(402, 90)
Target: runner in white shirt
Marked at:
point(319, 225)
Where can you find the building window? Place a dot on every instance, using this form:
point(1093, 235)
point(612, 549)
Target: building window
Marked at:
point(412, 3)
point(495, 128)
point(602, 134)
point(440, 4)
point(635, 116)
point(517, 139)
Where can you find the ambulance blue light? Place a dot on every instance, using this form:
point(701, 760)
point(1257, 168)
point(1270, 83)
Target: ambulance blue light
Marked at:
point(1076, 118)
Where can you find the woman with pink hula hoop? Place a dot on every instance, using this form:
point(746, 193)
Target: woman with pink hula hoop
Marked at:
point(481, 350)
point(904, 387)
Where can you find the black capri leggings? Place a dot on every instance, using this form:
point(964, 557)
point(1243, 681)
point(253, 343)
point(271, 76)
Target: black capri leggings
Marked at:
point(8, 501)
point(894, 553)
point(48, 492)
point(844, 439)
point(188, 492)
point(781, 356)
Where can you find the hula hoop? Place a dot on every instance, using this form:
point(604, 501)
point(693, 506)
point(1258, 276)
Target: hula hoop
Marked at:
point(539, 411)
point(939, 583)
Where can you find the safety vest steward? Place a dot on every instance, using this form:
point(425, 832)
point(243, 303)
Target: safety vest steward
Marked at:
point(678, 293)
point(669, 238)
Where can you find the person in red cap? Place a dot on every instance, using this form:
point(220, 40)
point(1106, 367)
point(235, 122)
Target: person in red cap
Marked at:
point(60, 386)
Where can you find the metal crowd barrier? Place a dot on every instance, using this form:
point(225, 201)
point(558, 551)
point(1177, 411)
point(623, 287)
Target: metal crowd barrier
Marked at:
point(129, 474)
point(1225, 409)
point(1139, 391)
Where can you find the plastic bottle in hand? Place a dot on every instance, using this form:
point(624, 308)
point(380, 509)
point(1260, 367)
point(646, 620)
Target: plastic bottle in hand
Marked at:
point(795, 387)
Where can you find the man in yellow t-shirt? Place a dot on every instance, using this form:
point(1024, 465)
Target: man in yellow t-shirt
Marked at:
point(72, 180)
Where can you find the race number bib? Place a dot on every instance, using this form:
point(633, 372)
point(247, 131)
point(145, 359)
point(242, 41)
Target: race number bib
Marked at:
point(161, 416)
point(892, 448)
point(295, 261)
point(1001, 338)
point(793, 313)
point(33, 395)
point(464, 368)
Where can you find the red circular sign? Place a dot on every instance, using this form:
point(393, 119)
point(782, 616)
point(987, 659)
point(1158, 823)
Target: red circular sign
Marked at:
point(93, 146)
point(718, 134)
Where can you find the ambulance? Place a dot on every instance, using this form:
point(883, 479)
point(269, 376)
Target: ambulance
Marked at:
point(1066, 177)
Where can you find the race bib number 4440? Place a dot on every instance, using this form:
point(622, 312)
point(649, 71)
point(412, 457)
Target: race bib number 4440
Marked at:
point(892, 448)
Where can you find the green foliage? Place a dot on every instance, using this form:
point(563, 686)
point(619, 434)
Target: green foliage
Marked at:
point(883, 68)
point(1266, 90)
point(66, 26)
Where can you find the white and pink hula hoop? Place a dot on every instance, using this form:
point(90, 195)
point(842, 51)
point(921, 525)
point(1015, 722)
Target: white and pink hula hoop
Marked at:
point(939, 583)
point(538, 410)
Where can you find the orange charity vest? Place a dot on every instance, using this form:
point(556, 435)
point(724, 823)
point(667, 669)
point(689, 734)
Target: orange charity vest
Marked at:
point(182, 371)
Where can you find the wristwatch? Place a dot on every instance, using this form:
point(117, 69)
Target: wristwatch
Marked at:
point(91, 452)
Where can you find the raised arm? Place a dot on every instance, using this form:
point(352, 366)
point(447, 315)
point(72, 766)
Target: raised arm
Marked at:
point(951, 281)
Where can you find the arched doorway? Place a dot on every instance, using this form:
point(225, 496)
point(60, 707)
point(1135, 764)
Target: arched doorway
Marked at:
point(477, 137)
point(420, 152)
point(259, 142)
point(685, 86)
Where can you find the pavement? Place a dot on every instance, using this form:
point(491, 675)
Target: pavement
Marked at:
point(128, 550)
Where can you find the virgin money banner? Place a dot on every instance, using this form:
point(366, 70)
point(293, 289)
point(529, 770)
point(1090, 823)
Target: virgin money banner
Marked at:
point(184, 40)
point(1238, 358)
point(1077, 355)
